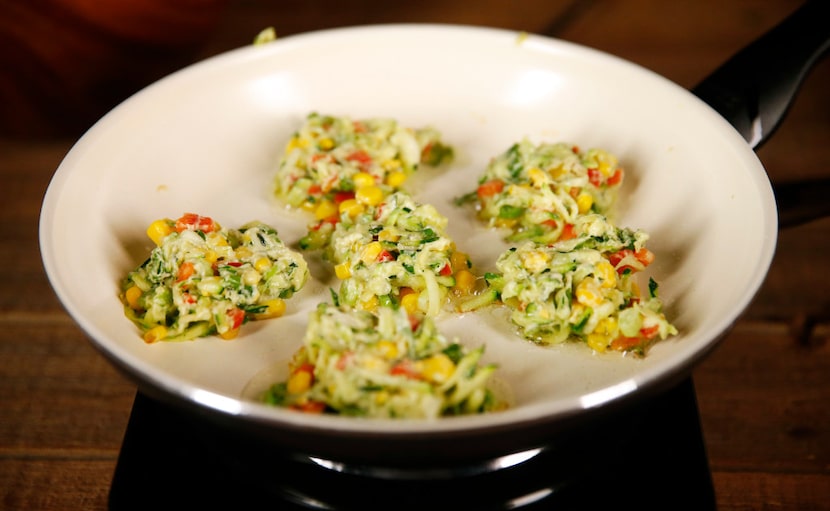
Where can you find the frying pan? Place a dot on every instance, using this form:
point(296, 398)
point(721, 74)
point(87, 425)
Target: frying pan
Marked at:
point(207, 139)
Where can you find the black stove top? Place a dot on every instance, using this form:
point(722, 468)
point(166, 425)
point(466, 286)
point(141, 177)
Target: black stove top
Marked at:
point(171, 460)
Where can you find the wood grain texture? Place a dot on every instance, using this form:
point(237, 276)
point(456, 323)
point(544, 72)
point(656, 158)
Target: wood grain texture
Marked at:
point(762, 394)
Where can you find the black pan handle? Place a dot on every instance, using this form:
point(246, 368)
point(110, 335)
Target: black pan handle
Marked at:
point(754, 89)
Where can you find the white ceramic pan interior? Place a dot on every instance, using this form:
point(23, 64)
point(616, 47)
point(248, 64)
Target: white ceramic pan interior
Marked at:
point(207, 139)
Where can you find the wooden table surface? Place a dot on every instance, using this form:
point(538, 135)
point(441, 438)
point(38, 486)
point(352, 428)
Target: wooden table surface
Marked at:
point(763, 394)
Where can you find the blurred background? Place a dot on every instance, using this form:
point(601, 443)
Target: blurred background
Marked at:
point(64, 63)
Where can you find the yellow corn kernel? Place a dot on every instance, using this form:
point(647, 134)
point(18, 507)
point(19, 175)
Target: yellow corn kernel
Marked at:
point(371, 252)
point(157, 333)
point(343, 271)
point(506, 223)
point(132, 296)
point(369, 195)
point(387, 349)
point(291, 145)
point(243, 253)
point(537, 177)
point(588, 293)
point(392, 164)
point(459, 260)
point(159, 230)
point(211, 256)
point(607, 326)
point(584, 201)
point(299, 382)
point(308, 205)
point(606, 274)
point(381, 397)
point(274, 309)
point(388, 235)
point(370, 305)
point(606, 162)
point(438, 368)
point(296, 143)
point(351, 207)
point(514, 303)
point(535, 261)
point(396, 179)
point(410, 302)
point(597, 342)
point(229, 335)
point(325, 209)
point(465, 281)
point(251, 277)
point(635, 289)
point(557, 172)
point(325, 144)
point(217, 240)
point(373, 363)
point(262, 264)
point(362, 179)
point(603, 334)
